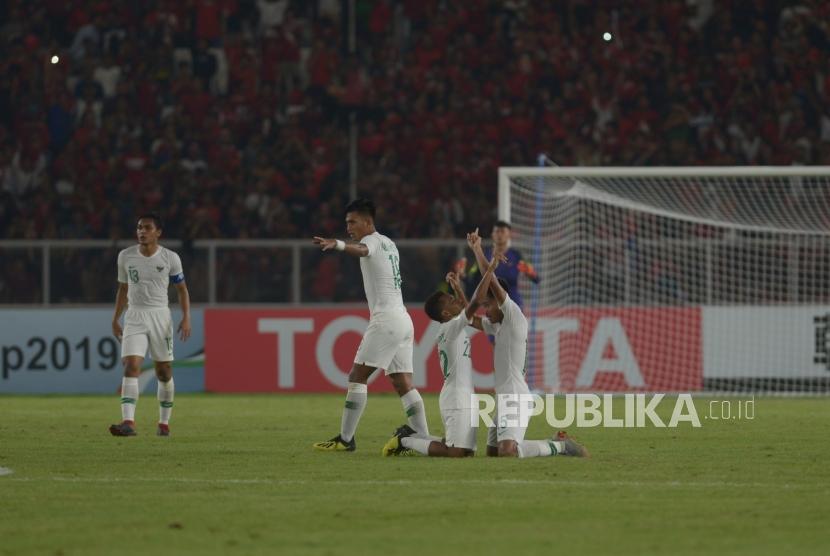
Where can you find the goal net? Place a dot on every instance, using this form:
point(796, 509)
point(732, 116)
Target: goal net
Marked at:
point(674, 279)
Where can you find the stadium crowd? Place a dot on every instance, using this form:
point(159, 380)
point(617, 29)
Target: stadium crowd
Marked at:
point(231, 117)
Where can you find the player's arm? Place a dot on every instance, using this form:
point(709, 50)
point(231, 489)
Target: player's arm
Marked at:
point(455, 283)
point(527, 269)
point(177, 279)
point(353, 249)
point(184, 302)
point(481, 290)
point(474, 241)
point(120, 305)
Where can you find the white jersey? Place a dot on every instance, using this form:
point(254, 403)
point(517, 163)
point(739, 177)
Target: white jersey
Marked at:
point(382, 275)
point(510, 351)
point(148, 278)
point(456, 364)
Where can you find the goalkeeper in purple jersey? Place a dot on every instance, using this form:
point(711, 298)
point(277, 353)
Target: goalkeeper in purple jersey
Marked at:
point(510, 270)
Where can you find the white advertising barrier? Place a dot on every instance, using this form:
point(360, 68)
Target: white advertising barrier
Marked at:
point(73, 351)
point(765, 342)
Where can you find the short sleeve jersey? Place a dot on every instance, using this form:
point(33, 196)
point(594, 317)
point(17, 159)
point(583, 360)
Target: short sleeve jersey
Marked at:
point(510, 351)
point(148, 278)
point(456, 364)
point(382, 275)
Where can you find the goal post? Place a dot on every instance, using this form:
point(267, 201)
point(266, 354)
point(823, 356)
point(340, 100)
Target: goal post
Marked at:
point(685, 279)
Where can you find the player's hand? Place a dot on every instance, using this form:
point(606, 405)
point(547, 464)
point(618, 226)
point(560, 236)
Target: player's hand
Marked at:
point(474, 240)
point(184, 328)
point(326, 244)
point(117, 331)
point(527, 269)
point(452, 279)
point(499, 256)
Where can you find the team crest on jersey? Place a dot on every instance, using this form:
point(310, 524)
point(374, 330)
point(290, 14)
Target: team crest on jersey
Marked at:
point(384, 247)
point(159, 268)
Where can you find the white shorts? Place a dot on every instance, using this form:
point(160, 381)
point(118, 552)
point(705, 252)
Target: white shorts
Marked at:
point(387, 344)
point(458, 430)
point(148, 328)
point(512, 426)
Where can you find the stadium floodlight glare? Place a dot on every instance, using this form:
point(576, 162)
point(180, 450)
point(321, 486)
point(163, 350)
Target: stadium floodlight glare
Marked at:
point(709, 279)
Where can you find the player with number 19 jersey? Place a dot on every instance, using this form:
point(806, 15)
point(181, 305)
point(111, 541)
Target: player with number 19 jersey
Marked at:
point(388, 341)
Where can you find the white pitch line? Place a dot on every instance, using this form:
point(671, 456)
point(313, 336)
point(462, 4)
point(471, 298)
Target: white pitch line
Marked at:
point(401, 482)
point(5, 471)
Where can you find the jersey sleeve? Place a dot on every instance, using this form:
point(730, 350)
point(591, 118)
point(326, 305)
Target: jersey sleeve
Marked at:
point(372, 243)
point(176, 270)
point(122, 272)
point(490, 328)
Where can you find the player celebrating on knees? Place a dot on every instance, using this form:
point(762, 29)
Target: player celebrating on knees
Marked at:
point(144, 273)
point(454, 314)
point(507, 323)
point(388, 341)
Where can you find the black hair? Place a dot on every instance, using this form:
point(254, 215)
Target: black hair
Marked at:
point(151, 216)
point(502, 224)
point(362, 206)
point(504, 286)
point(434, 305)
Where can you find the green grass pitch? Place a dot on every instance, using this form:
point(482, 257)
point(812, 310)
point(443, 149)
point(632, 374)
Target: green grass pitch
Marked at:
point(239, 476)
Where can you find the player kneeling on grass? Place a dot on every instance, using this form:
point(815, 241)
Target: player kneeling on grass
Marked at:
point(455, 402)
point(508, 325)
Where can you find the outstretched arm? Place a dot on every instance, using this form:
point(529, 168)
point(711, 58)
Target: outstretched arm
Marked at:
point(353, 249)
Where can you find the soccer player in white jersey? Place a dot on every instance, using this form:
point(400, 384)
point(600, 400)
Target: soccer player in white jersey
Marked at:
point(456, 403)
point(388, 341)
point(506, 322)
point(144, 273)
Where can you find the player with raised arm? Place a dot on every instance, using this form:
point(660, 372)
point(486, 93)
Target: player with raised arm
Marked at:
point(514, 265)
point(145, 272)
point(455, 314)
point(508, 325)
point(388, 341)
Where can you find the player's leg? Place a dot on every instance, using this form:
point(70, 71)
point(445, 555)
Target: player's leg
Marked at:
point(161, 349)
point(460, 433)
point(492, 442)
point(399, 370)
point(356, 396)
point(166, 393)
point(407, 440)
point(133, 349)
point(413, 404)
point(509, 434)
point(512, 443)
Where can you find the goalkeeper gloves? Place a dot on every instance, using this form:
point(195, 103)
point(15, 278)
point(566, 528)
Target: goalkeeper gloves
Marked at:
point(528, 270)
